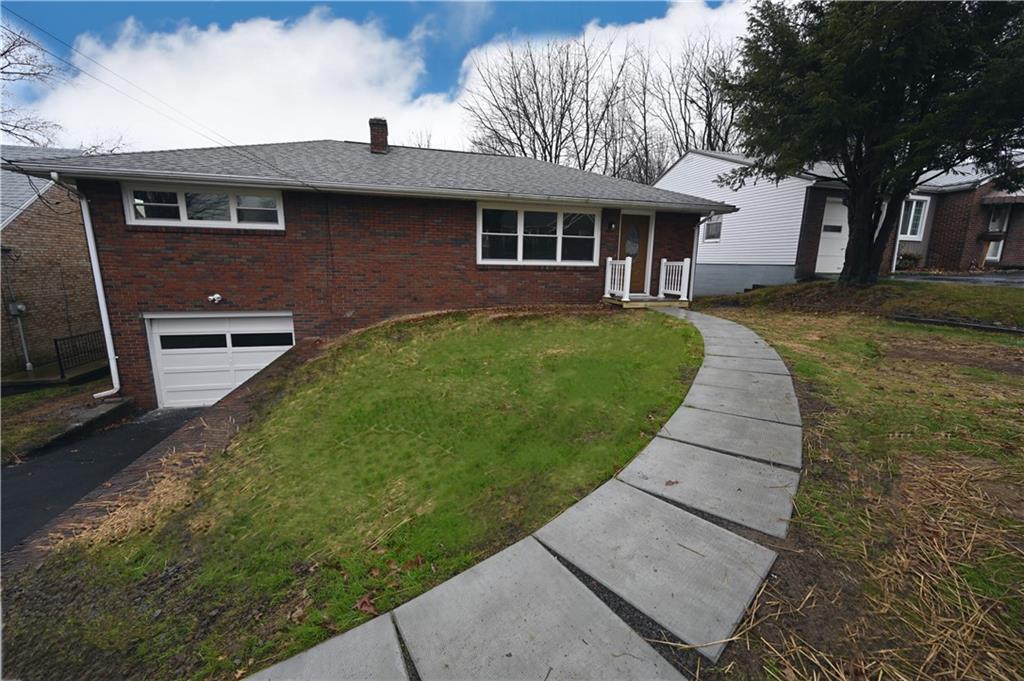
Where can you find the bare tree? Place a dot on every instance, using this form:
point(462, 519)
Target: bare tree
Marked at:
point(689, 93)
point(550, 102)
point(421, 137)
point(620, 112)
point(21, 61)
point(647, 141)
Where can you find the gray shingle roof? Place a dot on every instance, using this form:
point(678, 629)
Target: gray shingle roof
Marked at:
point(349, 166)
point(18, 191)
point(964, 176)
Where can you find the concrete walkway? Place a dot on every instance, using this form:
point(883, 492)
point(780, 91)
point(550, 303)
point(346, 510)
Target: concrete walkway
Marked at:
point(657, 536)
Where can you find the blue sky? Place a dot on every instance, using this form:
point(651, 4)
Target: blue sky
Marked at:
point(67, 20)
point(276, 71)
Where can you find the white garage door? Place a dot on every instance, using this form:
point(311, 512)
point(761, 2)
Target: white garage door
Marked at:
point(834, 235)
point(198, 360)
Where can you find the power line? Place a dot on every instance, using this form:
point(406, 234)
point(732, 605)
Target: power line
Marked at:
point(232, 147)
point(119, 76)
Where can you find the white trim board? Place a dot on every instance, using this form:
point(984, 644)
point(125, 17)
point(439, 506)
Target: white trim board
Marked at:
point(213, 313)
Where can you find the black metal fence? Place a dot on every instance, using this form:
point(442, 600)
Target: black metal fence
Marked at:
point(74, 351)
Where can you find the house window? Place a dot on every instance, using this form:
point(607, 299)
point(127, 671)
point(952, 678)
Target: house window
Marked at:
point(999, 218)
point(998, 221)
point(500, 235)
point(713, 228)
point(148, 205)
point(203, 207)
point(536, 236)
point(912, 219)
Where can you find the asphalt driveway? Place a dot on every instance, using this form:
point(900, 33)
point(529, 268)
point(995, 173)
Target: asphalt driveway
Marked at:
point(49, 482)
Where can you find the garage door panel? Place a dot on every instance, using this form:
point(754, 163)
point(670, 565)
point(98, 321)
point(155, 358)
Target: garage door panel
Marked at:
point(170, 361)
point(191, 325)
point(195, 359)
point(260, 324)
point(192, 397)
point(182, 380)
point(259, 357)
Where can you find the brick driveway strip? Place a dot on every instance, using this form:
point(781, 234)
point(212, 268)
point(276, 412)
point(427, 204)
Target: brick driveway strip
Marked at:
point(520, 614)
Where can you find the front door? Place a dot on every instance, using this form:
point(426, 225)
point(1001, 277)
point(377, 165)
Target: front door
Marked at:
point(636, 230)
point(834, 235)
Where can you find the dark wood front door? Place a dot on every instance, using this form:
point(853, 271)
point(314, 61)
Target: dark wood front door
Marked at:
point(633, 243)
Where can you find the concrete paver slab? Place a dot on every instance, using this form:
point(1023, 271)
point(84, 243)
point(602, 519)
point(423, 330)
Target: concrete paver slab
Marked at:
point(368, 652)
point(522, 615)
point(748, 350)
point(778, 407)
point(767, 366)
point(744, 380)
point(754, 494)
point(737, 333)
point(773, 442)
point(689, 575)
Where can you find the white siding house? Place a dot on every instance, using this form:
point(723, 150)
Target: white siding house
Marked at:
point(758, 244)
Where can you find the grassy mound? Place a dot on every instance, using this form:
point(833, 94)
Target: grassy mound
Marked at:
point(402, 457)
point(966, 302)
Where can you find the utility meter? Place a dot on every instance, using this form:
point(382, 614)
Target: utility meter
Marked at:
point(16, 309)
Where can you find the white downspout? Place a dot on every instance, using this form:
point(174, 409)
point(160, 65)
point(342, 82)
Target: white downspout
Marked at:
point(101, 298)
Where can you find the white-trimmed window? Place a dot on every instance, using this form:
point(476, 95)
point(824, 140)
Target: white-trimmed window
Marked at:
point(225, 207)
point(998, 221)
point(713, 228)
point(912, 219)
point(536, 235)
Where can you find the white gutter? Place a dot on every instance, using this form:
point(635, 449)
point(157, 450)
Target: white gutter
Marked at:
point(372, 190)
point(101, 298)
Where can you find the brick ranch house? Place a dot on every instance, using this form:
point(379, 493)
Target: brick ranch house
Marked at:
point(48, 286)
point(797, 229)
point(214, 261)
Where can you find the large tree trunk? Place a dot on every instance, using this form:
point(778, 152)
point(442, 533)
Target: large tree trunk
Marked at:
point(868, 236)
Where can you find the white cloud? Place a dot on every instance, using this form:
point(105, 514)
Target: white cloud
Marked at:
point(319, 76)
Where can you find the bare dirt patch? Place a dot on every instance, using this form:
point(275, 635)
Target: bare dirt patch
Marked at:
point(994, 358)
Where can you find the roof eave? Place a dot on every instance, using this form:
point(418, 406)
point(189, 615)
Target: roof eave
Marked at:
point(428, 192)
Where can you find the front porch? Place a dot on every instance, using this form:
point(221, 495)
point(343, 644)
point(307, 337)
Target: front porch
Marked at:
point(641, 300)
point(673, 284)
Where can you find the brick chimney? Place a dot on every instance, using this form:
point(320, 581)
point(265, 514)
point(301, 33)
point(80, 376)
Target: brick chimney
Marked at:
point(378, 136)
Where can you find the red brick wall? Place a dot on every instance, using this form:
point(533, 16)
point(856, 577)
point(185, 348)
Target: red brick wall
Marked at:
point(46, 266)
point(951, 231)
point(343, 262)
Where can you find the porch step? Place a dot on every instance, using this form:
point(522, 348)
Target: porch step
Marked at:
point(643, 301)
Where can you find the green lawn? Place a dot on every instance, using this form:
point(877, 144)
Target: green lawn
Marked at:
point(30, 419)
point(991, 304)
point(402, 457)
point(906, 554)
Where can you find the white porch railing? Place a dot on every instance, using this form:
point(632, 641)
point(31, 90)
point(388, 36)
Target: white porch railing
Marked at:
point(617, 274)
point(674, 279)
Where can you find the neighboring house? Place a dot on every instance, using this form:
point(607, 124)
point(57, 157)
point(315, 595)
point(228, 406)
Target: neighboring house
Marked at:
point(214, 261)
point(797, 228)
point(45, 266)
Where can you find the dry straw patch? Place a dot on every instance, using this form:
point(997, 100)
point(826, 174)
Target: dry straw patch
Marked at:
point(925, 620)
point(132, 513)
